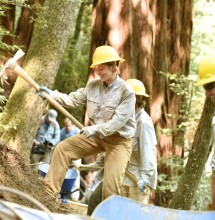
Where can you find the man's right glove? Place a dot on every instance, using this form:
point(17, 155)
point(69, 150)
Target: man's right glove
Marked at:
point(45, 89)
point(141, 184)
point(89, 131)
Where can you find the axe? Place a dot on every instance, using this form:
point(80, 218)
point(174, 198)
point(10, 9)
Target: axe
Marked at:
point(12, 64)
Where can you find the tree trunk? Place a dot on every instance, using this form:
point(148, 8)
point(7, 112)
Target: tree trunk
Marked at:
point(24, 107)
point(143, 23)
point(171, 54)
point(98, 37)
point(198, 156)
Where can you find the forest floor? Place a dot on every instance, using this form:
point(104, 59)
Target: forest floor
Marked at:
point(16, 174)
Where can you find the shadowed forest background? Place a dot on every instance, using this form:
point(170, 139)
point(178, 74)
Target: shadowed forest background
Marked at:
point(162, 43)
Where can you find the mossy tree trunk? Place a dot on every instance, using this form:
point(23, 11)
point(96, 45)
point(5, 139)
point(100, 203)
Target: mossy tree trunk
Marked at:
point(24, 107)
point(195, 166)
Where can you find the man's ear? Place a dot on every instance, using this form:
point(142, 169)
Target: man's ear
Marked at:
point(114, 68)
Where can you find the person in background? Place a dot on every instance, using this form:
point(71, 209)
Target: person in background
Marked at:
point(207, 80)
point(47, 136)
point(110, 104)
point(67, 131)
point(143, 161)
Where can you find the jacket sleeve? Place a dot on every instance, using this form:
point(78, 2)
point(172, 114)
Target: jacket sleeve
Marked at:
point(71, 100)
point(147, 144)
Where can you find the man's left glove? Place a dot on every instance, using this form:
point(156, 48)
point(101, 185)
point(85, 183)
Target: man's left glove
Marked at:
point(45, 89)
point(89, 131)
point(141, 185)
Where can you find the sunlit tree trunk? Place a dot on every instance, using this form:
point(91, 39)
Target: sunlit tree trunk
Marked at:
point(24, 107)
point(171, 54)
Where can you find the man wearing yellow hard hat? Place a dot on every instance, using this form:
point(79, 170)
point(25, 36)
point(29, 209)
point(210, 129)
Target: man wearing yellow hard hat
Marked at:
point(110, 103)
point(207, 76)
point(207, 80)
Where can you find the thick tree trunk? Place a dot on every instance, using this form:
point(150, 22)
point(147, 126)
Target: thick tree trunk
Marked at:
point(25, 108)
point(143, 20)
point(198, 156)
point(171, 54)
point(98, 37)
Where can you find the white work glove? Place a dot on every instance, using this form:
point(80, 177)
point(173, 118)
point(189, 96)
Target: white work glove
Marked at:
point(141, 185)
point(89, 131)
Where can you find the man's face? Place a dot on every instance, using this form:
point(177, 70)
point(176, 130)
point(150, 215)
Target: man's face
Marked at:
point(210, 90)
point(68, 126)
point(106, 73)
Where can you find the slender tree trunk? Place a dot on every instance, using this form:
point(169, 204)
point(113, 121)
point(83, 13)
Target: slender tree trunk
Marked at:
point(24, 107)
point(195, 166)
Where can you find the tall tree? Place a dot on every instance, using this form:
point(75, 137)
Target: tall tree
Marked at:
point(24, 107)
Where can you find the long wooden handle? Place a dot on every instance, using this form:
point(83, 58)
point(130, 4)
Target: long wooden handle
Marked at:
point(20, 72)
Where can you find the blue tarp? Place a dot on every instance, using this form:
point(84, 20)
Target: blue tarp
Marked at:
point(120, 208)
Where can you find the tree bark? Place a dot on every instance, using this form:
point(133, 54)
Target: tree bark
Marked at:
point(171, 55)
point(198, 156)
point(24, 107)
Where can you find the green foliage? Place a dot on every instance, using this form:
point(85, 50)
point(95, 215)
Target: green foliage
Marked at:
point(203, 196)
point(169, 171)
point(183, 86)
point(166, 182)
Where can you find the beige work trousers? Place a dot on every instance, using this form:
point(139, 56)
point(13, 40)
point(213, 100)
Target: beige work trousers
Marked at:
point(35, 159)
point(118, 152)
point(134, 193)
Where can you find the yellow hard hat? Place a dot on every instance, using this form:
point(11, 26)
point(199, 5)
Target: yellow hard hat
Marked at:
point(206, 71)
point(105, 54)
point(138, 87)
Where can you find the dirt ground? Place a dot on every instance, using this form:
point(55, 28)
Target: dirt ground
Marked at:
point(16, 174)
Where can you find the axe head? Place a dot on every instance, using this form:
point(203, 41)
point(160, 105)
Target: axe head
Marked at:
point(16, 56)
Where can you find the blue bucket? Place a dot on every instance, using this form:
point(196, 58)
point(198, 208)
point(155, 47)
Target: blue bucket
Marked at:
point(68, 182)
